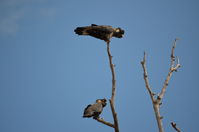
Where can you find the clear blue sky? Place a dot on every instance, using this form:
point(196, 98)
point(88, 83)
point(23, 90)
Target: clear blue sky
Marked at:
point(48, 74)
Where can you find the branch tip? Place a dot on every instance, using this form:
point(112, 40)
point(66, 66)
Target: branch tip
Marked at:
point(175, 127)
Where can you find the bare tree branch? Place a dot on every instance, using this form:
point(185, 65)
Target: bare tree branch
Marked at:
point(116, 125)
point(146, 78)
point(158, 101)
point(154, 101)
point(112, 100)
point(175, 127)
point(171, 70)
point(104, 122)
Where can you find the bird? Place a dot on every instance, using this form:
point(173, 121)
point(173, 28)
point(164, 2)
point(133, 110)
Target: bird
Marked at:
point(103, 32)
point(95, 109)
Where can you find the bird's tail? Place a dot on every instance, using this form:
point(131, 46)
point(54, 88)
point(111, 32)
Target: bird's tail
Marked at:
point(87, 116)
point(80, 30)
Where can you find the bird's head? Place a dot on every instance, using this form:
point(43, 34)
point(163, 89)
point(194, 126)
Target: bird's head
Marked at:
point(118, 32)
point(102, 101)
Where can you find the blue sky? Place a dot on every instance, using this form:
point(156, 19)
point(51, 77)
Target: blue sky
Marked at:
point(49, 74)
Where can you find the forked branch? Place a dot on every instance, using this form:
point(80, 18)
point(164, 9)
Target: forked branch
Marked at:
point(172, 68)
point(158, 101)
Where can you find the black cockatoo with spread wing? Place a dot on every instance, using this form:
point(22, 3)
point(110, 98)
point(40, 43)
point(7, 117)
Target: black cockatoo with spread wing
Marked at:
point(102, 32)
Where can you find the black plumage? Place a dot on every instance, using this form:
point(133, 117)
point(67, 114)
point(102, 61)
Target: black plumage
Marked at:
point(102, 32)
point(94, 110)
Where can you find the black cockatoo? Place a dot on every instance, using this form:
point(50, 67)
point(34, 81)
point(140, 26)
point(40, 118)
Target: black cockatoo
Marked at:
point(102, 32)
point(94, 110)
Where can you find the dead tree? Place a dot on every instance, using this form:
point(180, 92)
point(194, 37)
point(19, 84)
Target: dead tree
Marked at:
point(157, 100)
point(105, 33)
point(115, 125)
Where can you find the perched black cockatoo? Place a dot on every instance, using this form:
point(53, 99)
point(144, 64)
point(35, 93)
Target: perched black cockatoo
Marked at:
point(94, 110)
point(102, 32)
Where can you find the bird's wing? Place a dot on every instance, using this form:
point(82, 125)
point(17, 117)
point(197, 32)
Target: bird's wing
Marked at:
point(87, 107)
point(99, 29)
point(97, 107)
point(94, 25)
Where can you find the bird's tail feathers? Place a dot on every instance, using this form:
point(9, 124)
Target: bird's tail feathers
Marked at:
point(80, 31)
point(87, 116)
